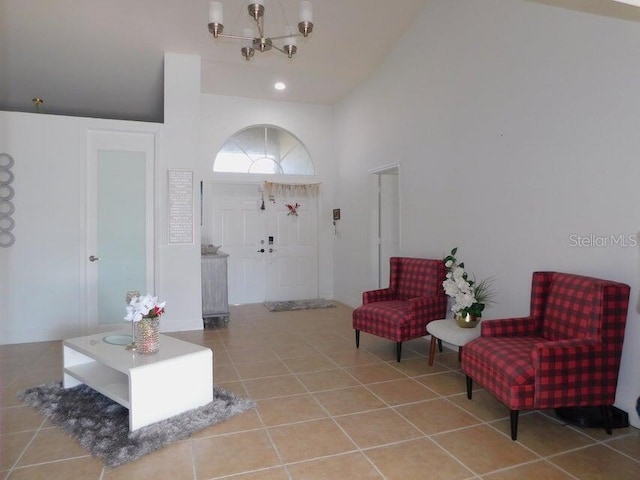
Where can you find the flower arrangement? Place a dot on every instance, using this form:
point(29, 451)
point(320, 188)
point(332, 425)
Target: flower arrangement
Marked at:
point(470, 297)
point(144, 307)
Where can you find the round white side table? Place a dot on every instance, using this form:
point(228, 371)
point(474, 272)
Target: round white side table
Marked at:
point(447, 330)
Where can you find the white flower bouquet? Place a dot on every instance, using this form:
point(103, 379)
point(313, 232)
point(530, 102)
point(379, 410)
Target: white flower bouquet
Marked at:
point(470, 297)
point(144, 307)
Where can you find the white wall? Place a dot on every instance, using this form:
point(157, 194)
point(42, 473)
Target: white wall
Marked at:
point(312, 124)
point(515, 126)
point(39, 273)
point(43, 275)
point(179, 265)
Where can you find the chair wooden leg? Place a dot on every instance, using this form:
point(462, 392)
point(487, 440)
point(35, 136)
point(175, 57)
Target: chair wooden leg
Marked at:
point(440, 345)
point(514, 424)
point(357, 338)
point(606, 418)
point(459, 354)
point(432, 349)
point(398, 350)
point(469, 387)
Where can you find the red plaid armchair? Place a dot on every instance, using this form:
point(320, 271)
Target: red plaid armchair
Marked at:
point(401, 312)
point(566, 353)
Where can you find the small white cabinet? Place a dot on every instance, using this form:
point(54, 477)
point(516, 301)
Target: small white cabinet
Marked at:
point(215, 301)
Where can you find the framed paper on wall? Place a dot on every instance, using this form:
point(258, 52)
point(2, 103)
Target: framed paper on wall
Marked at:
point(180, 207)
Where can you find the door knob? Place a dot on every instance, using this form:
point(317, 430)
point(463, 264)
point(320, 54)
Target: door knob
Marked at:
point(93, 258)
point(261, 250)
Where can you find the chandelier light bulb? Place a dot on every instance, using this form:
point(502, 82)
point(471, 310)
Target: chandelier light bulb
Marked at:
point(250, 35)
point(306, 18)
point(247, 49)
point(306, 11)
point(291, 32)
point(216, 19)
point(256, 9)
point(291, 42)
point(216, 12)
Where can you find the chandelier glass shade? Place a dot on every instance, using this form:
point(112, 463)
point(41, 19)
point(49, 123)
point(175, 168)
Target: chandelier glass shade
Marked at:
point(286, 42)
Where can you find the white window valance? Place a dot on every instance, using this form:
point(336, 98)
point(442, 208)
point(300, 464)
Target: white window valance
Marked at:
point(292, 189)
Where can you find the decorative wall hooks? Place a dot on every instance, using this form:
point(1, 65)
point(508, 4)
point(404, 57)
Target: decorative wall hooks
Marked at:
point(7, 208)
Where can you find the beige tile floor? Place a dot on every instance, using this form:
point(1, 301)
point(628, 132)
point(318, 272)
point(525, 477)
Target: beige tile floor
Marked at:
point(324, 411)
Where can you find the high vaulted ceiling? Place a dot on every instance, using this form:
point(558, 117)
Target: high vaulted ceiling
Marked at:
point(104, 58)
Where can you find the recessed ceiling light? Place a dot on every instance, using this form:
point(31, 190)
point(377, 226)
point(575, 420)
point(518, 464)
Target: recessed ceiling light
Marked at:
point(279, 86)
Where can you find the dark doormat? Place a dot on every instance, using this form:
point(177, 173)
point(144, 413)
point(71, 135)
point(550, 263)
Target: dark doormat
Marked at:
point(283, 306)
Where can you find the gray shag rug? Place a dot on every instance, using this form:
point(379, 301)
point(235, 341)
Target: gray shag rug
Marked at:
point(298, 305)
point(102, 426)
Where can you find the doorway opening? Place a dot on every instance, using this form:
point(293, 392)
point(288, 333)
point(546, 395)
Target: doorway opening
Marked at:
point(385, 221)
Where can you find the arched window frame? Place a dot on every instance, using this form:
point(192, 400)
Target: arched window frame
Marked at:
point(251, 159)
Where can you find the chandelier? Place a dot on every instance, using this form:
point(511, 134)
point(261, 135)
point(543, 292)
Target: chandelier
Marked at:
point(249, 41)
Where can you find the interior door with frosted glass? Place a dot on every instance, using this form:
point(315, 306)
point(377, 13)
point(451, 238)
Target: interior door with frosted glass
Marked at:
point(119, 222)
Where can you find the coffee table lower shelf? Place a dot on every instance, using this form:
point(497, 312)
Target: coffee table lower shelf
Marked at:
point(107, 381)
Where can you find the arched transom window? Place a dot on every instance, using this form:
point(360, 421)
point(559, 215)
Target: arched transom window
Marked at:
point(264, 149)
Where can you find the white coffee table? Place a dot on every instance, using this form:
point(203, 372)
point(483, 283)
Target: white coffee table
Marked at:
point(447, 330)
point(177, 378)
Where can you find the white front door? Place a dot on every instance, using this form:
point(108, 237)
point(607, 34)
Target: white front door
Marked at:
point(272, 255)
point(292, 268)
point(238, 227)
point(120, 254)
